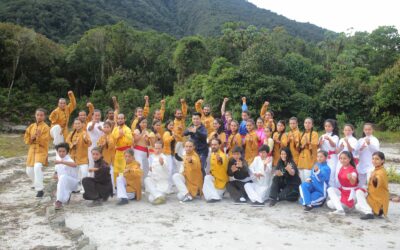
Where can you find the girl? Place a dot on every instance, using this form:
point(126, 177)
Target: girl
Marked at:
point(280, 141)
point(348, 143)
point(285, 184)
point(143, 140)
point(79, 142)
point(268, 116)
point(366, 146)
point(234, 140)
point(260, 131)
point(157, 129)
point(250, 142)
point(377, 201)
point(226, 117)
point(219, 133)
point(107, 145)
point(329, 142)
point(268, 140)
point(308, 149)
point(294, 138)
point(344, 196)
point(169, 140)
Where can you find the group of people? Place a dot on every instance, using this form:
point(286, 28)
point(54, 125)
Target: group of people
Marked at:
point(255, 161)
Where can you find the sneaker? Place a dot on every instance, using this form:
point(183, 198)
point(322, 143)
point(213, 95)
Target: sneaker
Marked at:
point(160, 200)
point(240, 202)
point(272, 203)
point(39, 194)
point(123, 201)
point(95, 203)
point(338, 212)
point(213, 201)
point(308, 208)
point(367, 217)
point(242, 199)
point(57, 205)
point(187, 198)
point(257, 204)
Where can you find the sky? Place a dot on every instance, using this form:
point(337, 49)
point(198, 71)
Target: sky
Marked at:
point(338, 15)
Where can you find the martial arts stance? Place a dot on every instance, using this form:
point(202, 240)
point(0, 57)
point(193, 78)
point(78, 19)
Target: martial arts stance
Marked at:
point(60, 117)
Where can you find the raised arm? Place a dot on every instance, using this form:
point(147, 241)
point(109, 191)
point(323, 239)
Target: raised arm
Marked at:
point(264, 109)
point(90, 106)
point(162, 110)
point(116, 108)
point(244, 104)
point(197, 106)
point(184, 109)
point(72, 102)
point(146, 109)
point(223, 106)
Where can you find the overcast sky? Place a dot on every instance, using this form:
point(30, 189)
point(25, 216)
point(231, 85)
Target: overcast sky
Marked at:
point(338, 15)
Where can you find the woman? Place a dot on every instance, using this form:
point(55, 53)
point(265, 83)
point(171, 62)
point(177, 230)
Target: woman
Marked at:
point(280, 141)
point(143, 140)
point(250, 142)
point(260, 131)
point(234, 140)
point(169, 140)
point(308, 149)
point(329, 142)
point(219, 133)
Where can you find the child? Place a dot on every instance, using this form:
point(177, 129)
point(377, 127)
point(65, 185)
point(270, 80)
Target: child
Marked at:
point(294, 138)
point(238, 171)
point(366, 146)
point(157, 183)
point(268, 140)
point(280, 141)
point(308, 149)
point(129, 184)
point(329, 142)
point(67, 174)
point(261, 172)
point(348, 143)
point(268, 117)
point(313, 190)
point(260, 131)
point(60, 118)
point(250, 142)
point(98, 188)
point(37, 136)
point(285, 184)
point(344, 196)
point(226, 117)
point(107, 145)
point(234, 140)
point(95, 131)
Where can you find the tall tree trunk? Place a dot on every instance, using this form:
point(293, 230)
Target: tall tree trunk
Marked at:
point(13, 75)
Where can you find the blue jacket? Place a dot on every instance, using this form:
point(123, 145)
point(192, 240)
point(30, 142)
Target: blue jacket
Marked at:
point(242, 126)
point(199, 138)
point(320, 179)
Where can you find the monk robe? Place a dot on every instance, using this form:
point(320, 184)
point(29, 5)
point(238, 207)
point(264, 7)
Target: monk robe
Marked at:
point(192, 173)
point(167, 139)
point(133, 176)
point(233, 141)
point(308, 155)
point(378, 195)
point(251, 146)
point(267, 124)
point(206, 120)
point(294, 143)
point(219, 170)
point(89, 116)
point(79, 143)
point(277, 147)
point(61, 117)
point(221, 136)
point(39, 147)
point(146, 110)
point(162, 112)
point(179, 125)
point(107, 145)
point(122, 143)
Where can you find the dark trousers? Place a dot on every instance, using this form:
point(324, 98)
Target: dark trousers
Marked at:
point(236, 190)
point(281, 191)
point(203, 159)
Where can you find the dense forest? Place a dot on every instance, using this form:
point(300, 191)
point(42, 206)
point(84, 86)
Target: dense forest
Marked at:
point(353, 78)
point(65, 21)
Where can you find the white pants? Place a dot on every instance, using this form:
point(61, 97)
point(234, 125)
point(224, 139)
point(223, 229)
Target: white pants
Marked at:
point(362, 180)
point(210, 192)
point(179, 181)
point(112, 176)
point(304, 174)
point(151, 188)
point(66, 184)
point(121, 189)
point(90, 157)
point(141, 157)
point(334, 199)
point(35, 173)
point(56, 134)
point(361, 202)
point(171, 169)
point(83, 171)
point(256, 193)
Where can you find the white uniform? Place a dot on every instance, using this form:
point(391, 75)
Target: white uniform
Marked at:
point(95, 135)
point(157, 182)
point(353, 143)
point(332, 156)
point(68, 179)
point(56, 134)
point(258, 191)
point(365, 166)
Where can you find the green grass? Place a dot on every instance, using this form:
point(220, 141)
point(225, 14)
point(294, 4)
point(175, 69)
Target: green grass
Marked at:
point(12, 145)
point(394, 176)
point(388, 136)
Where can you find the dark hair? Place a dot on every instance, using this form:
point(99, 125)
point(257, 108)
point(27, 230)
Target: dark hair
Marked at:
point(289, 157)
point(260, 119)
point(130, 151)
point(237, 123)
point(311, 131)
point(136, 109)
point(155, 121)
point(41, 110)
point(264, 148)
point(82, 111)
point(350, 156)
point(107, 123)
point(284, 129)
point(379, 154)
point(323, 152)
point(251, 121)
point(246, 112)
point(237, 149)
point(216, 139)
point(294, 119)
point(221, 125)
point(98, 149)
point(159, 142)
point(271, 112)
point(367, 124)
point(63, 145)
point(352, 128)
point(196, 114)
point(334, 125)
point(138, 123)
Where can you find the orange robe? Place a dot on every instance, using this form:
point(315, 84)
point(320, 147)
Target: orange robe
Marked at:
point(167, 139)
point(206, 120)
point(219, 170)
point(294, 143)
point(378, 197)
point(251, 146)
point(270, 124)
point(61, 117)
point(38, 148)
point(79, 151)
point(179, 125)
point(233, 141)
point(192, 173)
point(107, 144)
point(146, 110)
point(277, 147)
point(308, 155)
point(89, 116)
point(133, 176)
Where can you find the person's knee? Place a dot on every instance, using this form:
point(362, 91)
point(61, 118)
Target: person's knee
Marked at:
point(38, 167)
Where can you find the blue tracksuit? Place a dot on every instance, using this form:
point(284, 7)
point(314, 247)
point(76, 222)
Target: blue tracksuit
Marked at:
point(242, 125)
point(314, 193)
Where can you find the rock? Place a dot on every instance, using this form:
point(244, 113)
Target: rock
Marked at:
point(89, 247)
point(41, 247)
point(58, 222)
point(75, 234)
point(83, 243)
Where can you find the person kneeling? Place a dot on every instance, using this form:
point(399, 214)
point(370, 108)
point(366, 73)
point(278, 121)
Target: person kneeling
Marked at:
point(66, 172)
point(215, 182)
point(99, 187)
point(189, 180)
point(238, 171)
point(313, 190)
point(129, 184)
point(285, 184)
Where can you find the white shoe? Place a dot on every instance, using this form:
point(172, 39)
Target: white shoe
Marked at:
point(187, 197)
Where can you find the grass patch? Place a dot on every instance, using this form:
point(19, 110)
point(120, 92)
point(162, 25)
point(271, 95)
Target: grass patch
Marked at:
point(393, 175)
point(388, 136)
point(12, 145)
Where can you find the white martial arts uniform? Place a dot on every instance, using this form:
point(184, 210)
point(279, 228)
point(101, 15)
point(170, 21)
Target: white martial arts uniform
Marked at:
point(365, 166)
point(210, 192)
point(56, 134)
point(68, 180)
point(95, 135)
point(157, 182)
point(35, 173)
point(121, 189)
point(332, 159)
point(258, 190)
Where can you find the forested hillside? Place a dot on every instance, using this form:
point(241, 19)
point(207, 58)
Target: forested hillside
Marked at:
point(66, 20)
point(353, 78)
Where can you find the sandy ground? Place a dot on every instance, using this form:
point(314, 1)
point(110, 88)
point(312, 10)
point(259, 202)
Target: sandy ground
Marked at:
point(195, 225)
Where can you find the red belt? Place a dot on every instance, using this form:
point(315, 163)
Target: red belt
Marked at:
point(123, 148)
point(331, 153)
point(144, 149)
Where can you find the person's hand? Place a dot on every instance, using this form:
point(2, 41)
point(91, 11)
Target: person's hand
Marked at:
point(219, 159)
point(316, 168)
point(146, 98)
point(244, 99)
point(192, 129)
point(308, 180)
point(367, 141)
point(88, 104)
point(234, 168)
point(33, 137)
point(201, 101)
point(55, 176)
point(267, 160)
point(100, 128)
point(92, 170)
point(239, 164)
point(121, 132)
point(114, 98)
point(326, 137)
point(289, 167)
point(266, 103)
point(189, 159)
point(226, 99)
point(162, 102)
point(58, 162)
point(75, 142)
point(278, 173)
point(182, 100)
point(70, 92)
point(161, 160)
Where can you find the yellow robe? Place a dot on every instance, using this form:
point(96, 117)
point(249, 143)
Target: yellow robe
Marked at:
point(61, 117)
point(38, 148)
point(294, 144)
point(121, 144)
point(167, 139)
point(277, 147)
point(221, 136)
point(146, 111)
point(378, 197)
point(219, 170)
point(107, 144)
point(233, 141)
point(251, 146)
point(192, 173)
point(89, 116)
point(267, 124)
point(206, 120)
point(79, 151)
point(179, 125)
point(133, 176)
point(308, 155)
